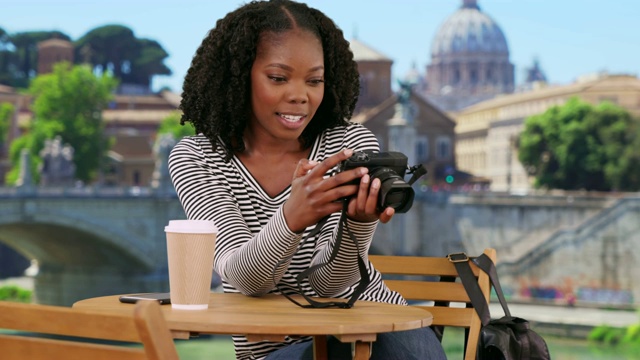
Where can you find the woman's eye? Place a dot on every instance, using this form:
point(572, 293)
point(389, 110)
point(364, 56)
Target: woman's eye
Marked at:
point(316, 81)
point(277, 78)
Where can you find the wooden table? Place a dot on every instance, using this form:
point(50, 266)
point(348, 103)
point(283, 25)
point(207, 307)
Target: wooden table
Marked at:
point(272, 317)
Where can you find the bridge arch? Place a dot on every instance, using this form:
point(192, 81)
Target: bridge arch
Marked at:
point(64, 240)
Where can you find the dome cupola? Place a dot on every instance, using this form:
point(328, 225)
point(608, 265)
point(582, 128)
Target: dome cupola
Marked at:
point(469, 59)
point(469, 30)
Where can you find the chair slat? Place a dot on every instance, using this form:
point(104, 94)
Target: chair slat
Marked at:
point(416, 265)
point(403, 269)
point(429, 290)
point(44, 319)
point(72, 327)
point(21, 348)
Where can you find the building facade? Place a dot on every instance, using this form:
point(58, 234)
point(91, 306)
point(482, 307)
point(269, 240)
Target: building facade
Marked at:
point(404, 121)
point(486, 133)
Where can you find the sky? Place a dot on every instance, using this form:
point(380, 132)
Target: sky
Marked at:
point(569, 38)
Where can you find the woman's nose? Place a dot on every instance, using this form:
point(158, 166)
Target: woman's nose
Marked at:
point(297, 93)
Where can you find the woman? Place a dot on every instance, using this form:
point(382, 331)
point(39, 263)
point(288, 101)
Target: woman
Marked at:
point(270, 91)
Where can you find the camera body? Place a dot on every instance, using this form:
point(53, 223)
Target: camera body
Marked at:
point(390, 167)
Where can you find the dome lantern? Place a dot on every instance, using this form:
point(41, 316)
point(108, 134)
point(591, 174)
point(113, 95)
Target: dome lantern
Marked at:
point(473, 4)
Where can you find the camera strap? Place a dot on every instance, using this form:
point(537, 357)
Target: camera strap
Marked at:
point(364, 275)
point(417, 172)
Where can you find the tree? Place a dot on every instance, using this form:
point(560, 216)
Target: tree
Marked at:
point(6, 112)
point(112, 49)
point(23, 62)
point(147, 64)
point(116, 50)
point(8, 59)
point(580, 146)
point(68, 102)
point(171, 125)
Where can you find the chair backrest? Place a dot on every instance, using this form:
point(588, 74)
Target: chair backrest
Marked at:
point(35, 332)
point(424, 291)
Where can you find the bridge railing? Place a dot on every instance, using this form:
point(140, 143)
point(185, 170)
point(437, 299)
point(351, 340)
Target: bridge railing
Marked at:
point(85, 191)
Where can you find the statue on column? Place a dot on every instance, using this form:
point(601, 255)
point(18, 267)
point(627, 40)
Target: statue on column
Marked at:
point(57, 168)
point(161, 181)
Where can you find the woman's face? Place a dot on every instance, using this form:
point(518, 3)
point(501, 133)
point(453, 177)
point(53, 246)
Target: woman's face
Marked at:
point(287, 84)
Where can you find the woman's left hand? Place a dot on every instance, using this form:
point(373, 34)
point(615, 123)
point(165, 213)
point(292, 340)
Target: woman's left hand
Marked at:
point(363, 205)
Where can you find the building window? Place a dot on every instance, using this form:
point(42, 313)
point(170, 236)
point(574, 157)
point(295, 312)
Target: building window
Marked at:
point(443, 147)
point(422, 149)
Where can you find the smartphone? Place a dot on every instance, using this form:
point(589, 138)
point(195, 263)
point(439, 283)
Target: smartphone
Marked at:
point(162, 298)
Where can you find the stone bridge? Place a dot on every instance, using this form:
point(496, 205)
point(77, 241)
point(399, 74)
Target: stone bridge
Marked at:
point(91, 242)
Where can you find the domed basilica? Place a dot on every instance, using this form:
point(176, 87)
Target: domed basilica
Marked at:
point(469, 60)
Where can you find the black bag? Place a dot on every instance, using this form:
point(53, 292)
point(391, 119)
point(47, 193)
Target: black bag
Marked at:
point(507, 338)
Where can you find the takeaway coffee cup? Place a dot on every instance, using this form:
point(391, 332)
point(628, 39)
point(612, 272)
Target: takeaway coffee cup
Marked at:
point(190, 250)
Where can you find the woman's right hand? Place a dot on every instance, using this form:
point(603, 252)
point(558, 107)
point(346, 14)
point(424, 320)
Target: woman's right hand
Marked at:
point(314, 196)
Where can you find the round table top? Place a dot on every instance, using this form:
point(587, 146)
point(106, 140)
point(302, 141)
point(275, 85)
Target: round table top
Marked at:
point(275, 315)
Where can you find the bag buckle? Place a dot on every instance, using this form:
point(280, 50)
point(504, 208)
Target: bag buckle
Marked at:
point(458, 257)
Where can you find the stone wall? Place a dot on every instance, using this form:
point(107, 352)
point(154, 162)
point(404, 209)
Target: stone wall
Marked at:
point(550, 247)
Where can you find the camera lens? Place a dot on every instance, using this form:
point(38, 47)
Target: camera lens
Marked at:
point(394, 191)
point(396, 198)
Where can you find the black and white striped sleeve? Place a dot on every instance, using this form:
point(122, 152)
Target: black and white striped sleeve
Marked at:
point(206, 192)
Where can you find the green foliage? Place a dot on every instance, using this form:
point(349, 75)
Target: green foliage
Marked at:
point(6, 112)
point(632, 335)
point(114, 49)
point(580, 146)
point(15, 293)
point(19, 55)
point(111, 49)
point(67, 102)
point(606, 334)
point(171, 125)
point(22, 142)
point(614, 336)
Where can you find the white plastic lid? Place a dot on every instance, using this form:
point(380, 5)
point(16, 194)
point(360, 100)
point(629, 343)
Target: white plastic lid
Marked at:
point(191, 226)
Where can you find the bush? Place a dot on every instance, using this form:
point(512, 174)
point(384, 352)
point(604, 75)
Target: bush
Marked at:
point(632, 335)
point(15, 293)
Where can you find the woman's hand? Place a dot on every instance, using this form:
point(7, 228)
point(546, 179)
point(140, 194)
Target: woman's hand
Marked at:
point(363, 206)
point(314, 196)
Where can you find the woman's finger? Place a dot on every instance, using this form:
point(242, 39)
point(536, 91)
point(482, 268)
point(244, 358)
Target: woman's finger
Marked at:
point(303, 167)
point(361, 196)
point(330, 162)
point(372, 198)
point(387, 214)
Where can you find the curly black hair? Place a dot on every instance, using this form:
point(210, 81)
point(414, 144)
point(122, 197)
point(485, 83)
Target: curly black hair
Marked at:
point(216, 95)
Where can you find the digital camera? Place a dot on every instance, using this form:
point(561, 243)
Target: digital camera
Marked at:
point(390, 167)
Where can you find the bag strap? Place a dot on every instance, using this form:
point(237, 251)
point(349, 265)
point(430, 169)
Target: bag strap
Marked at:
point(461, 262)
point(484, 263)
point(364, 274)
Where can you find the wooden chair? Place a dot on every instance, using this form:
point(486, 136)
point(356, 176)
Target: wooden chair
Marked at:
point(38, 332)
point(437, 291)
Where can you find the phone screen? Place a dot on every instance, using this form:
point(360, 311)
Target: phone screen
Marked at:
point(162, 298)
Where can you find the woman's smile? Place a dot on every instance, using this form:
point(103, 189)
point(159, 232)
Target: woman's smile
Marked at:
point(292, 121)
